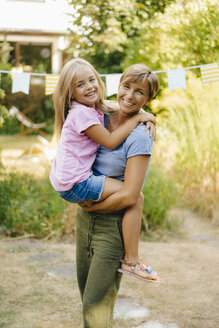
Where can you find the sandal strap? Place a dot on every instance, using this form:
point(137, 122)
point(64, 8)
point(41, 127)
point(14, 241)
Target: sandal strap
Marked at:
point(131, 265)
point(128, 263)
point(138, 266)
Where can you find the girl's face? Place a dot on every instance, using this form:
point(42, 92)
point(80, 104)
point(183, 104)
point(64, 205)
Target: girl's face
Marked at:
point(132, 96)
point(86, 87)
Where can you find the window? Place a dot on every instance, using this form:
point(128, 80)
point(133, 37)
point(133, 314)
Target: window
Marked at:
point(37, 57)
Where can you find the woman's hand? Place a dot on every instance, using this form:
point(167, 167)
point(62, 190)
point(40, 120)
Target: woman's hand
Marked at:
point(87, 203)
point(89, 208)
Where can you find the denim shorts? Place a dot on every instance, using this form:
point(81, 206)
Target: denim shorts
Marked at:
point(85, 190)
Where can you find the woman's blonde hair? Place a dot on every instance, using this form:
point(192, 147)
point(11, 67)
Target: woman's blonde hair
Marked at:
point(140, 72)
point(64, 92)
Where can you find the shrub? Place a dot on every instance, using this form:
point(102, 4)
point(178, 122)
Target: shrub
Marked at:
point(29, 206)
point(3, 109)
point(11, 125)
point(160, 193)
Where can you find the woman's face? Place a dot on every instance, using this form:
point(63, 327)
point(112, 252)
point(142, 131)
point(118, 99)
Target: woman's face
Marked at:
point(132, 97)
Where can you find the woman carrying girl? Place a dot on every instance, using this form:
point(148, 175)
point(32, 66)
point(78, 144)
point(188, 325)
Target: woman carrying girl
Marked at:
point(79, 107)
point(99, 237)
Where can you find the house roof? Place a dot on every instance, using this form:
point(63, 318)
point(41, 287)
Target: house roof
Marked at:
point(48, 16)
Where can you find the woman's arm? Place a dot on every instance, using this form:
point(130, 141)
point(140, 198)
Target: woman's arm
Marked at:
point(134, 177)
point(113, 139)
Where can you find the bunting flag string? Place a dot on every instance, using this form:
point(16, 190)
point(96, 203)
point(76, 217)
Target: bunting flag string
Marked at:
point(51, 82)
point(112, 84)
point(21, 82)
point(210, 73)
point(176, 79)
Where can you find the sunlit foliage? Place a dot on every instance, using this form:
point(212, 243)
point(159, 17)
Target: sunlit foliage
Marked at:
point(104, 29)
point(162, 34)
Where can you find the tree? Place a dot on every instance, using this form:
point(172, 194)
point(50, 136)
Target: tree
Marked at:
point(186, 34)
point(103, 29)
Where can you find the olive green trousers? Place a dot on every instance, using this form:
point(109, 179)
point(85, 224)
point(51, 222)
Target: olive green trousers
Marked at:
point(99, 247)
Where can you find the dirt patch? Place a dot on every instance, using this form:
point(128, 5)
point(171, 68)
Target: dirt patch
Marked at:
point(30, 297)
point(187, 296)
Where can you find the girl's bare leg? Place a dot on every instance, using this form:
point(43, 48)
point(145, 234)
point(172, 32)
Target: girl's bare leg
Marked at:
point(110, 187)
point(131, 227)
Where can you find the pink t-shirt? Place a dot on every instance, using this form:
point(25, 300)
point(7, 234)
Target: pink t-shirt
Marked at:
point(76, 151)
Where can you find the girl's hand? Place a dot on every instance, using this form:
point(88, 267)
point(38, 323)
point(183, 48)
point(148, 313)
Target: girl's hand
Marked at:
point(146, 117)
point(152, 127)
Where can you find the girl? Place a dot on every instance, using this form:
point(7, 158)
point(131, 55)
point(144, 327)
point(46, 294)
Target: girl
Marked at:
point(79, 107)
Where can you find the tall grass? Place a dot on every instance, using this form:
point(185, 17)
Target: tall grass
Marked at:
point(190, 136)
point(160, 194)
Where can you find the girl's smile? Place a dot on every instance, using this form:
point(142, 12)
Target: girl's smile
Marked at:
point(87, 87)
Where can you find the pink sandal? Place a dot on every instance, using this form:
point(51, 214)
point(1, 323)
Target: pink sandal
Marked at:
point(151, 277)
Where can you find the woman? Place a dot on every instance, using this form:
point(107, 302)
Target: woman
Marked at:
point(100, 246)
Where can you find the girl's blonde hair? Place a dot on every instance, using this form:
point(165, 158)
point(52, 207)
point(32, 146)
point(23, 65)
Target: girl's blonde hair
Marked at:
point(140, 72)
point(64, 92)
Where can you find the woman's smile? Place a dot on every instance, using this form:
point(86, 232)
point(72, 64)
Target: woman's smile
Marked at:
point(132, 96)
point(127, 103)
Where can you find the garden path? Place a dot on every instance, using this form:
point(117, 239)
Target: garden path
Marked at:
point(38, 287)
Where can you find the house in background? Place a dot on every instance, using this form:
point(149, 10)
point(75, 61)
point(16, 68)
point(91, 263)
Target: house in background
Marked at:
point(36, 30)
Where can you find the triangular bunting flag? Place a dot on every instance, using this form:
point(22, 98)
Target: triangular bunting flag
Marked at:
point(176, 78)
point(21, 82)
point(51, 82)
point(210, 73)
point(112, 84)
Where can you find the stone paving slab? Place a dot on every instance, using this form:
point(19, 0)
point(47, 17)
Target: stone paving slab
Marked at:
point(64, 270)
point(24, 245)
point(156, 324)
point(204, 237)
point(44, 257)
point(214, 242)
point(129, 309)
